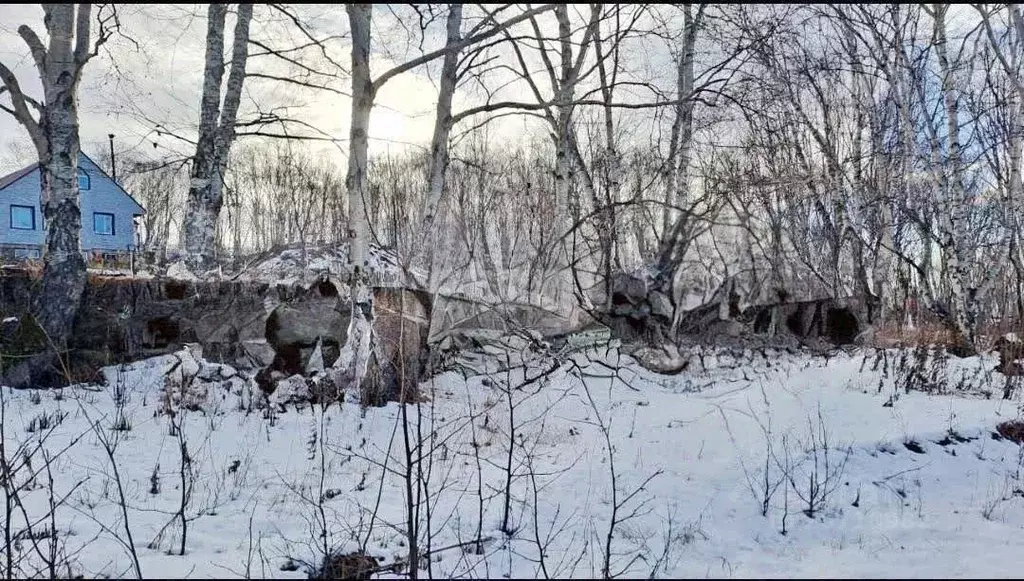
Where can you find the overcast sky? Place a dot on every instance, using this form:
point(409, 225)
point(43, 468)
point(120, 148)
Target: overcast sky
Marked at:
point(152, 74)
point(128, 90)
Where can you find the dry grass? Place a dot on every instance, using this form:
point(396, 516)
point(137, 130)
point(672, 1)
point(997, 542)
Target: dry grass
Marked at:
point(33, 269)
point(891, 335)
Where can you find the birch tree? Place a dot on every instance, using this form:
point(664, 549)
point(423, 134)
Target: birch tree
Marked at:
point(962, 302)
point(217, 119)
point(439, 142)
point(350, 367)
point(1008, 53)
point(677, 162)
point(52, 124)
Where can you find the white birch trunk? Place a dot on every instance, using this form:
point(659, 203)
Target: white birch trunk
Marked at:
point(1015, 186)
point(962, 301)
point(55, 136)
point(439, 156)
point(64, 268)
point(216, 134)
point(563, 160)
point(350, 368)
point(606, 223)
point(567, 205)
point(680, 151)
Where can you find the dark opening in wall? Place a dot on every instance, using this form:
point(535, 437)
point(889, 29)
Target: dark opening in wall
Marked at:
point(841, 326)
point(161, 332)
point(175, 289)
point(326, 289)
point(795, 322)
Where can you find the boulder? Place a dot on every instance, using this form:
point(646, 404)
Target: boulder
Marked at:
point(665, 359)
point(257, 353)
point(294, 330)
point(304, 323)
point(267, 379)
point(315, 363)
point(9, 326)
point(292, 389)
point(839, 321)
point(248, 325)
point(398, 363)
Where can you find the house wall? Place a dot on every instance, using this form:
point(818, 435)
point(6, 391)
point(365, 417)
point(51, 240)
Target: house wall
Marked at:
point(103, 196)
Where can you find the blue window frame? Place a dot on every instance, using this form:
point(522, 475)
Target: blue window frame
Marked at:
point(23, 217)
point(84, 183)
point(103, 223)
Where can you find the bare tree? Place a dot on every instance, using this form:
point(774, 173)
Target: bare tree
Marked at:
point(351, 364)
point(216, 134)
point(53, 128)
point(1010, 132)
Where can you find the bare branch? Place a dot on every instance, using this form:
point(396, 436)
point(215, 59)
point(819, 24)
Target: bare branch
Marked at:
point(20, 108)
point(293, 81)
point(35, 46)
point(379, 81)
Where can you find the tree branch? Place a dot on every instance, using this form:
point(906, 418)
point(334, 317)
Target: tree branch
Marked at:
point(20, 108)
point(457, 46)
point(82, 23)
point(35, 46)
point(319, 43)
point(299, 83)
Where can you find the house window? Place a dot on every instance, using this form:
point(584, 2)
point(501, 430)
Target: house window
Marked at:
point(83, 181)
point(23, 218)
point(23, 253)
point(103, 223)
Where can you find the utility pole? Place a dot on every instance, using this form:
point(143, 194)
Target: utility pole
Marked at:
point(113, 163)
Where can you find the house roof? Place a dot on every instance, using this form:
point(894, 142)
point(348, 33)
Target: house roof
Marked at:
point(125, 192)
point(17, 175)
point(21, 173)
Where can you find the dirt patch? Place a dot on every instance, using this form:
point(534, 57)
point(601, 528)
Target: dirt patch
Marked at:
point(914, 447)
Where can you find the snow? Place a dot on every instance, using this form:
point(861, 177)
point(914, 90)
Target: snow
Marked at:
point(288, 267)
point(692, 446)
point(180, 271)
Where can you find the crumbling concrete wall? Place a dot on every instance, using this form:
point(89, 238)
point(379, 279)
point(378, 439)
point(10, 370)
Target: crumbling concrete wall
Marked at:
point(244, 324)
point(839, 321)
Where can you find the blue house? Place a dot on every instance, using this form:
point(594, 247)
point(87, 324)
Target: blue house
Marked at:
point(108, 213)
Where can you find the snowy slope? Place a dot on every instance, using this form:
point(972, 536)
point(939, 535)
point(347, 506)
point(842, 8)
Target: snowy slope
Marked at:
point(696, 442)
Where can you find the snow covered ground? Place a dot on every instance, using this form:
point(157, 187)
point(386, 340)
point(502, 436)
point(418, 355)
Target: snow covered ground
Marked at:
point(291, 265)
point(902, 484)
